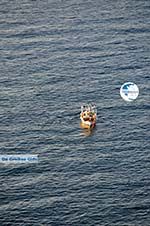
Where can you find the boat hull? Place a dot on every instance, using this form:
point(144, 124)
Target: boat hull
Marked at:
point(87, 124)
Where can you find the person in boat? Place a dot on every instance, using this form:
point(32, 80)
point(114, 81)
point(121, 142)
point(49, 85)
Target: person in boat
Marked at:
point(85, 116)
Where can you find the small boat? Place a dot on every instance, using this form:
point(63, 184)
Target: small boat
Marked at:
point(88, 116)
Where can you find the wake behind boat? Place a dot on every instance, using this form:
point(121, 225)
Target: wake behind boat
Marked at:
point(88, 116)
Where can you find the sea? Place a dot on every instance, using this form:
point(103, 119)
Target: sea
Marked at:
point(56, 55)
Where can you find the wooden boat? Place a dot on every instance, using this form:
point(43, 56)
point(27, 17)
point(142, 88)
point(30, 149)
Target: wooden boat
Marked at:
point(88, 116)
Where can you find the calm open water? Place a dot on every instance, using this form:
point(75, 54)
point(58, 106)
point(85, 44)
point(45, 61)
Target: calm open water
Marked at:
point(54, 56)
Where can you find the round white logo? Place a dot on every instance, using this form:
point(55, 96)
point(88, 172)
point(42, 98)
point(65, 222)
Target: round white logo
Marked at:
point(129, 91)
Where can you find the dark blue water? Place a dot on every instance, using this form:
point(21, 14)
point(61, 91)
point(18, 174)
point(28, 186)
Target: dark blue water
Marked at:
point(54, 56)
